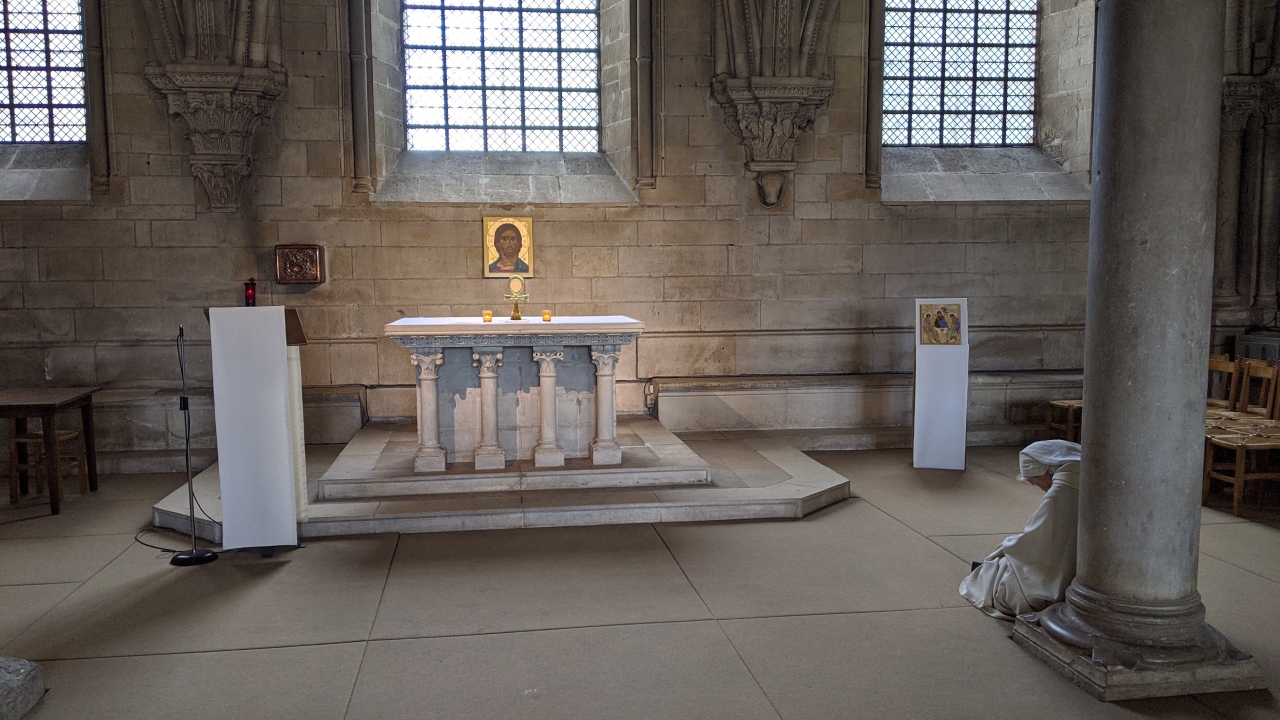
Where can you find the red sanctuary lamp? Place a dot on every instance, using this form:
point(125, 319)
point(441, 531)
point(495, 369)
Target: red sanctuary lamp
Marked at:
point(251, 293)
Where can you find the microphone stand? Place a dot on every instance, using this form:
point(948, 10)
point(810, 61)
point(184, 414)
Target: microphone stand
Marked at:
point(195, 556)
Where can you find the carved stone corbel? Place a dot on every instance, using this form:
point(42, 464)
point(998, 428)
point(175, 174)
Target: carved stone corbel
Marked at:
point(770, 63)
point(218, 66)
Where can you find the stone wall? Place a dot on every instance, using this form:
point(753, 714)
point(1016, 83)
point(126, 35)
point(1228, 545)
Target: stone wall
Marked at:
point(1065, 121)
point(95, 292)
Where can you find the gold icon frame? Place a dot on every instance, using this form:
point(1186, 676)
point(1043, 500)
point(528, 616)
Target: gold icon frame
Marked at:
point(524, 225)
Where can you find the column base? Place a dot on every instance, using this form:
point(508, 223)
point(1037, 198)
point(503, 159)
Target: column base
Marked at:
point(429, 460)
point(552, 456)
point(1231, 312)
point(606, 453)
point(490, 459)
point(1110, 681)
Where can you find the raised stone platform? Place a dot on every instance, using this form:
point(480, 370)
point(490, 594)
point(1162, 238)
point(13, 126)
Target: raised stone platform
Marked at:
point(757, 477)
point(378, 462)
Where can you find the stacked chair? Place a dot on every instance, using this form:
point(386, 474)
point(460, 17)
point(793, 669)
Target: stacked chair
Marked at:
point(1242, 427)
point(1064, 419)
point(70, 458)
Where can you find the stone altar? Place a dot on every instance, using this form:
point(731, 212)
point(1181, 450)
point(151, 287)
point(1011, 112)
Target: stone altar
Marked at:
point(445, 342)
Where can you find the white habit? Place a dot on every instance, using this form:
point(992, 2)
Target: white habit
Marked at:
point(1031, 571)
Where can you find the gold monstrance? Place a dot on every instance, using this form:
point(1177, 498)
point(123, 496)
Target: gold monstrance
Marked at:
point(515, 284)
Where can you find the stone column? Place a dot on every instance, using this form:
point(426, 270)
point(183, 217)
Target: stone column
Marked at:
point(1229, 308)
point(1269, 225)
point(548, 452)
point(605, 450)
point(489, 453)
point(430, 456)
point(1133, 624)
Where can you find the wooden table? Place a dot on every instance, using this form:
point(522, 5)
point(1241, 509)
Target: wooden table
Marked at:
point(46, 404)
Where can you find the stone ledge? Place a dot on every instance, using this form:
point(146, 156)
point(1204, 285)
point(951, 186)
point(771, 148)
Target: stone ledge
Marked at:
point(54, 172)
point(877, 438)
point(866, 407)
point(504, 178)
point(923, 174)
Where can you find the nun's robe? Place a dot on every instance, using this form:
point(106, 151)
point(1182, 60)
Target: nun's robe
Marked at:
point(1031, 570)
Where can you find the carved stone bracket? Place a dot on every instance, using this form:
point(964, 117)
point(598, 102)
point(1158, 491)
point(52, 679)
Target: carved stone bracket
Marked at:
point(218, 64)
point(767, 114)
point(222, 105)
point(771, 78)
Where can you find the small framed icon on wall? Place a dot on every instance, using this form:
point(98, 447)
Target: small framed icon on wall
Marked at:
point(508, 246)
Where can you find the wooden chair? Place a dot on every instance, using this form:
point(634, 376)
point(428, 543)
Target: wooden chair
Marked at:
point(70, 456)
point(1224, 385)
point(1065, 416)
point(1257, 393)
point(1250, 462)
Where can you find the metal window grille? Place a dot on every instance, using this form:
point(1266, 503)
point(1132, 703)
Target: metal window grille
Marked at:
point(516, 75)
point(959, 72)
point(42, 100)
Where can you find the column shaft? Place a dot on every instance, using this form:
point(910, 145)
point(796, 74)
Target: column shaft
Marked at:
point(1133, 604)
point(548, 452)
point(1150, 258)
point(489, 453)
point(1225, 292)
point(1269, 230)
point(605, 450)
point(430, 456)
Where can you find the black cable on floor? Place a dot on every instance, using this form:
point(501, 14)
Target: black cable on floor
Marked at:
point(137, 538)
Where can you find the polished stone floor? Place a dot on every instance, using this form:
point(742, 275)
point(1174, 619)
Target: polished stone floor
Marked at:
point(851, 612)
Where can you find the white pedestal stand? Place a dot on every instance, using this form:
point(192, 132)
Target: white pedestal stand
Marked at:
point(941, 392)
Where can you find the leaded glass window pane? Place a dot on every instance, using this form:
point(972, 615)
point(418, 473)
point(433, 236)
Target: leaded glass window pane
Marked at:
point(959, 72)
point(42, 78)
point(502, 75)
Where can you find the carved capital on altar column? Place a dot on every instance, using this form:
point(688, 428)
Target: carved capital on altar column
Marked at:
point(770, 78)
point(547, 359)
point(218, 65)
point(487, 361)
point(427, 364)
point(606, 358)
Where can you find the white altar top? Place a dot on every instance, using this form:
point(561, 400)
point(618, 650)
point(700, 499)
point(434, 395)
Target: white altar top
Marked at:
point(471, 326)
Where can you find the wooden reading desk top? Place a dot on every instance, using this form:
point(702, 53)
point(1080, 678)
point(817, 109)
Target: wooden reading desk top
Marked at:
point(34, 400)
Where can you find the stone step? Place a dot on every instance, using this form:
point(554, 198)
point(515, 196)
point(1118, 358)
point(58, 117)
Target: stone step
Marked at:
point(522, 476)
point(379, 462)
point(876, 438)
point(790, 485)
point(879, 405)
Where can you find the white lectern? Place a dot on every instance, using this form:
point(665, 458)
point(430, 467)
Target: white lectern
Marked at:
point(941, 383)
point(256, 429)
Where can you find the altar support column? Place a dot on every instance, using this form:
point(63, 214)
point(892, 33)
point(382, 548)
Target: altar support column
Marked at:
point(605, 450)
point(489, 454)
point(1133, 624)
point(430, 456)
point(548, 452)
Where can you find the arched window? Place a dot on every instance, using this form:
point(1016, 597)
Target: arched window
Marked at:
point(502, 75)
point(43, 98)
point(959, 72)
